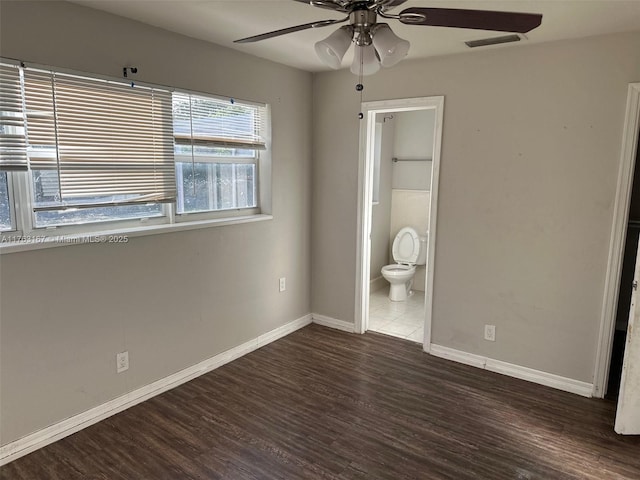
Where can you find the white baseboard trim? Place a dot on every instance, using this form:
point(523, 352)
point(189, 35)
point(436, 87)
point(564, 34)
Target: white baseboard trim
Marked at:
point(57, 431)
point(523, 373)
point(458, 356)
point(377, 283)
point(333, 323)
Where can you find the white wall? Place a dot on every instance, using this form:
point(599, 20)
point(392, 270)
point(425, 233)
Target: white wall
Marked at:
point(413, 141)
point(530, 153)
point(381, 212)
point(171, 300)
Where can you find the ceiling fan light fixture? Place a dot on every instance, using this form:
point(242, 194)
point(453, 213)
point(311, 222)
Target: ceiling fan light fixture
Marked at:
point(375, 43)
point(391, 48)
point(365, 56)
point(332, 49)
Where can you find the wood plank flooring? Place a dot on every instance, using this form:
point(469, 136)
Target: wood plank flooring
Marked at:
point(323, 404)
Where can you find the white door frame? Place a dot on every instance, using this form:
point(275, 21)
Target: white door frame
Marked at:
point(617, 241)
point(365, 198)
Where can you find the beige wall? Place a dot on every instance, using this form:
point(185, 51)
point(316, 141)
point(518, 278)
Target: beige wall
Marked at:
point(173, 299)
point(530, 152)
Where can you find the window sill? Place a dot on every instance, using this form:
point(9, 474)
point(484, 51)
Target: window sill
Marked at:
point(121, 235)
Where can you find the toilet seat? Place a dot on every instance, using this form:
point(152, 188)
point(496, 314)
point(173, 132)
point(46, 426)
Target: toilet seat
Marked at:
point(406, 246)
point(398, 267)
point(398, 270)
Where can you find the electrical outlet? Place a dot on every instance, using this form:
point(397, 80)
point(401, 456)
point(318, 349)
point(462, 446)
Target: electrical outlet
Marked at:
point(283, 284)
point(122, 362)
point(490, 333)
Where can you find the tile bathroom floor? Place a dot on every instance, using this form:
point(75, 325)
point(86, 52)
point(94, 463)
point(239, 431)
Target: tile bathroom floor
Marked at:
point(398, 319)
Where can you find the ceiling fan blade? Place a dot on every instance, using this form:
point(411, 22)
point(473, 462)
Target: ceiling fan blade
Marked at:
point(393, 3)
point(284, 31)
point(476, 19)
point(340, 6)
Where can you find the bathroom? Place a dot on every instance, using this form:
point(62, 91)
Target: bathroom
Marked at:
point(401, 198)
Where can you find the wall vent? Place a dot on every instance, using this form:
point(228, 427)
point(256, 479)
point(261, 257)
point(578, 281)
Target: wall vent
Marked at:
point(493, 41)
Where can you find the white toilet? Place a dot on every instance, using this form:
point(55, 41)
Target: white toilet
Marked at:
point(409, 250)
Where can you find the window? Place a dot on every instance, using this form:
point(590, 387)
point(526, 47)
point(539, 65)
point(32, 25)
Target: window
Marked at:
point(6, 223)
point(98, 150)
point(215, 186)
point(13, 151)
point(217, 150)
point(81, 151)
point(47, 212)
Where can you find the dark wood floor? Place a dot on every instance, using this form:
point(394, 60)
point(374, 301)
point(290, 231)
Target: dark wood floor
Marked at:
point(322, 404)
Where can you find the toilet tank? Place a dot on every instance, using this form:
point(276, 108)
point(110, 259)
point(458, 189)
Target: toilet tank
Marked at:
point(422, 256)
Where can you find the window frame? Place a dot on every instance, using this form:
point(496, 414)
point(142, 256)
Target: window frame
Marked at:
point(21, 198)
point(89, 226)
point(26, 217)
point(220, 213)
point(12, 206)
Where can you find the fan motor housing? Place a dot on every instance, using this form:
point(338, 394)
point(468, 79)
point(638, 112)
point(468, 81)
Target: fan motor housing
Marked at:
point(363, 20)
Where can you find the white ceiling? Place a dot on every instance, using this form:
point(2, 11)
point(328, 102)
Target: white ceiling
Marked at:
point(222, 21)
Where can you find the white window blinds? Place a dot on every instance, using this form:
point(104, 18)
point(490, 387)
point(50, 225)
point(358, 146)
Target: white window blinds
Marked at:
point(216, 123)
point(13, 147)
point(109, 143)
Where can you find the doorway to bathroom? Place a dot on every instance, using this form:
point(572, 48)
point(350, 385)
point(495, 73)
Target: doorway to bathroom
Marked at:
point(400, 142)
point(616, 333)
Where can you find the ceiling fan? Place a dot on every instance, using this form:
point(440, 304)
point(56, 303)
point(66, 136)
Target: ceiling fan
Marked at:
point(376, 44)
